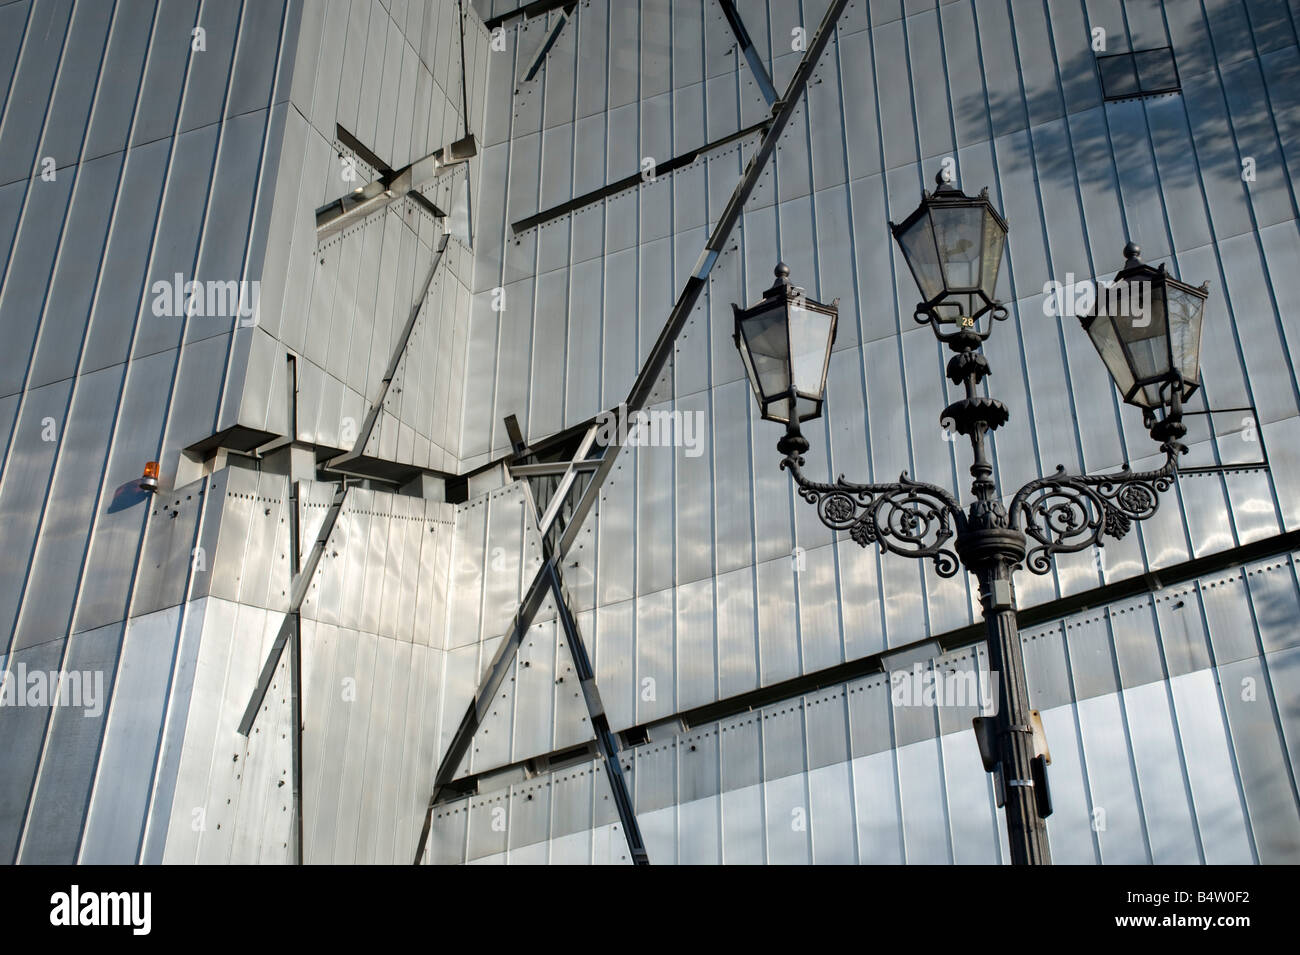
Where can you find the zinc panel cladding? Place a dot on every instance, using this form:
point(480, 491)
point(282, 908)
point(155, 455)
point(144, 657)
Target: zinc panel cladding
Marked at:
point(1165, 763)
point(109, 200)
point(370, 811)
point(361, 293)
point(1025, 148)
point(101, 427)
point(1018, 131)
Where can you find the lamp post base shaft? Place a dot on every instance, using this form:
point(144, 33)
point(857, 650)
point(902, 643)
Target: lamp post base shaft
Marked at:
point(1026, 829)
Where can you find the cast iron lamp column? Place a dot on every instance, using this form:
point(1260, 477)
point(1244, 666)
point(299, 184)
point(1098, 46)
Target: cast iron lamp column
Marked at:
point(1150, 344)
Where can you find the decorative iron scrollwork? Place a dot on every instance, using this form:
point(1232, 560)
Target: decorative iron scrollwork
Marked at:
point(905, 517)
point(1066, 513)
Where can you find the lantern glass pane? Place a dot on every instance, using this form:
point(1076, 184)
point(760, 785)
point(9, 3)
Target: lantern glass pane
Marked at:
point(749, 369)
point(1137, 308)
point(810, 344)
point(1185, 312)
point(808, 408)
point(917, 243)
point(994, 241)
point(778, 410)
point(1104, 339)
point(1145, 333)
point(766, 340)
point(960, 234)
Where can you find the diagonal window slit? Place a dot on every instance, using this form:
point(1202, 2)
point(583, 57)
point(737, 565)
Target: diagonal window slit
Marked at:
point(627, 182)
point(747, 47)
point(549, 42)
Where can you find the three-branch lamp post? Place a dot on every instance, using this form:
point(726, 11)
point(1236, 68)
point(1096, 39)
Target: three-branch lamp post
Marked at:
point(1146, 326)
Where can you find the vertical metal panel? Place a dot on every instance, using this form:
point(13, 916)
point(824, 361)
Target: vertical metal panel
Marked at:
point(352, 778)
point(106, 576)
point(25, 728)
point(1273, 600)
point(655, 664)
point(696, 642)
point(1166, 805)
point(102, 829)
point(875, 782)
point(239, 650)
point(582, 376)
point(51, 568)
point(732, 508)
point(1220, 815)
point(1111, 784)
point(1178, 178)
point(376, 775)
point(253, 70)
point(34, 75)
point(324, 736)
point(737, 643)
point(740, 749)
point(785, 809)
point(1220, 169)
point(779, 647)
point(613, 644)
point(571, 794)
point(208, 77)
point(700, 836)
point(388, 72)
point(29, 274)
point(820, 628)
point(488, 825)
point(74, 710)
point(546, 401)
point(72, 285)
point(834, 835)
point(688, 424)
point(447, 840)
point(189, 809)
point(1258, 754)
point(1071, 827)
point(534, 693)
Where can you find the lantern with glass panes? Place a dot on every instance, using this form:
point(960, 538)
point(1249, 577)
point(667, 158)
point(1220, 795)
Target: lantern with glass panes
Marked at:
point(953, 245)
point(1146, 326)
point(785, 342)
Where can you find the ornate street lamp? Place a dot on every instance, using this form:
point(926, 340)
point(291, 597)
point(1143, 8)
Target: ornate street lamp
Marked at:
point(1151, 344)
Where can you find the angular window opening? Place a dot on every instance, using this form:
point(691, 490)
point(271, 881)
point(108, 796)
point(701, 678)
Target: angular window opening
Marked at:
point(1139, 73)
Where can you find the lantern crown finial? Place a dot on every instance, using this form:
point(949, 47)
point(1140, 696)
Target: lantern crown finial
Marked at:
point(782, 272)
point(1132, 254)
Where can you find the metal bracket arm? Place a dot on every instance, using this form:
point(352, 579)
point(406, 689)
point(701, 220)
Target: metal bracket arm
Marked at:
point(904, 517)
point(1066, 513)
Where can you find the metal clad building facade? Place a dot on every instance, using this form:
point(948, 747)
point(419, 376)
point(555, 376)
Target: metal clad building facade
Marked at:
point(742, 651)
